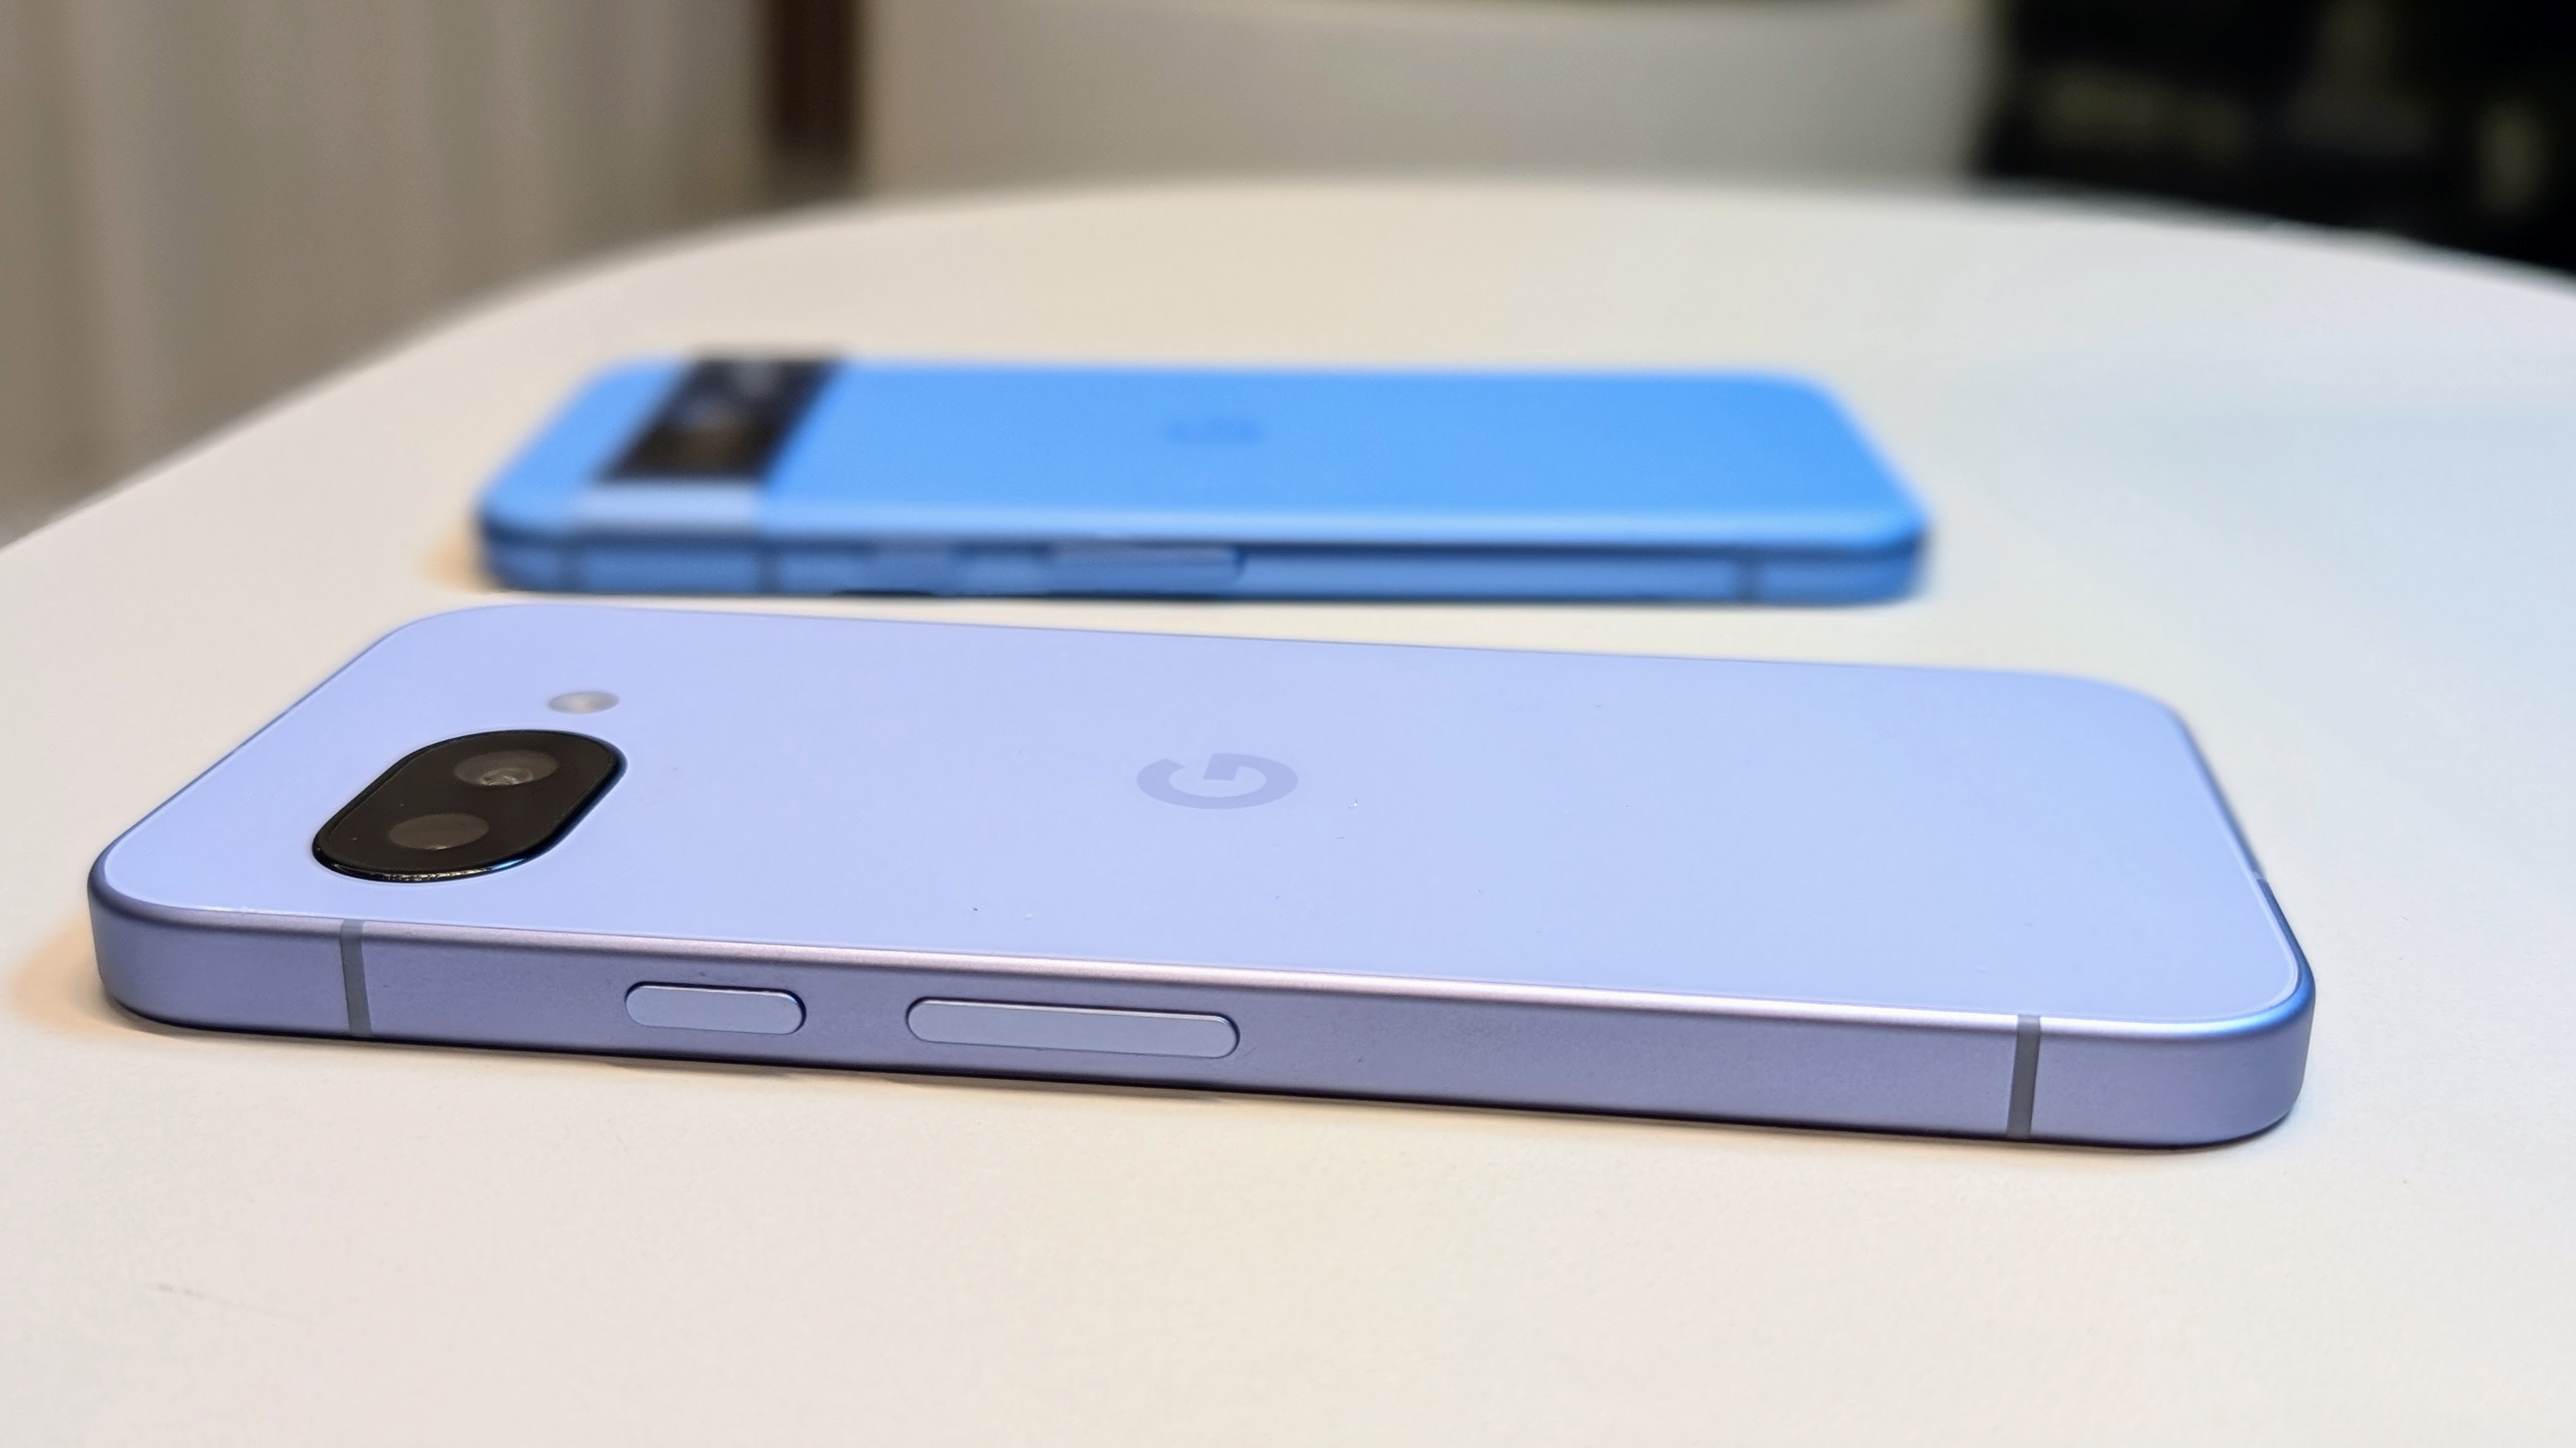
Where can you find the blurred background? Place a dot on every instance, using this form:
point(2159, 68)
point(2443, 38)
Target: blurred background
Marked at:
point(204, 203)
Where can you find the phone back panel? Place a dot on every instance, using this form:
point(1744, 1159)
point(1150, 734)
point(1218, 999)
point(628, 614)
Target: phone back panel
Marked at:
point(994, 479)
point(1908, 838)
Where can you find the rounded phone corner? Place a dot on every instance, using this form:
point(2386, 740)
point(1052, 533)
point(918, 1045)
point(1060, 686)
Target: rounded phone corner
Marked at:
point(476, 615)
point(531, 497)
point(2175, 1084)
point(220, 969)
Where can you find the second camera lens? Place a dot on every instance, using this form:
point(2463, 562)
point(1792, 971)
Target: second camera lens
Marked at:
point(439, 831)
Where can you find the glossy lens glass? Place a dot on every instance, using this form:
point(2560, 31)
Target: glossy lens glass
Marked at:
point(469, 805)
point(505, 767)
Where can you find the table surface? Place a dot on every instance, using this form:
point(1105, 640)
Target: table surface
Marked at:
point(2315, 492)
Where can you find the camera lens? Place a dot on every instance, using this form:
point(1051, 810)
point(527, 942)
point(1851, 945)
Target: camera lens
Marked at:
point(438, 831)
point(468, 805)
point(504, 767)
point(724, 419)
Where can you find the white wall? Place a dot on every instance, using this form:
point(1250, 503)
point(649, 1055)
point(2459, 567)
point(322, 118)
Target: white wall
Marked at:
point(203, 202)
point(985, 92)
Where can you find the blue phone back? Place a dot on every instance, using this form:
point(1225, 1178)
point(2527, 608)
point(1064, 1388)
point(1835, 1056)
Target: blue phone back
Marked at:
point(1895, 839)
point(995, 479)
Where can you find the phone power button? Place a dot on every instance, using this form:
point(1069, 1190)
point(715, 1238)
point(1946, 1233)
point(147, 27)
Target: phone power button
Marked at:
point(715, 1008)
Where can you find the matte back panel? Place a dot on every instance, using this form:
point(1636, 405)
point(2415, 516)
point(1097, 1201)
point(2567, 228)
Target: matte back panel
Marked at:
point(988, 479)
point(1905, 860)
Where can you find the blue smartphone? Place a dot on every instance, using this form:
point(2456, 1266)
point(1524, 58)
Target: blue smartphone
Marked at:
point(1903, 899)
point(780, 475)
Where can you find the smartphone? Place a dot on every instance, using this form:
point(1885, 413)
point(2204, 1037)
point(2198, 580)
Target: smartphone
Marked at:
point(1902, 899)
point(818, 476)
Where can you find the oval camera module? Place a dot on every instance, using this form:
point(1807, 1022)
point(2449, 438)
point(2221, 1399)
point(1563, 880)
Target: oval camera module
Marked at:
point(469, 806)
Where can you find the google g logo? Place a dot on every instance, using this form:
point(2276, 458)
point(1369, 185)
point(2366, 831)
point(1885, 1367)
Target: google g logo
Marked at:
point(1271, 780)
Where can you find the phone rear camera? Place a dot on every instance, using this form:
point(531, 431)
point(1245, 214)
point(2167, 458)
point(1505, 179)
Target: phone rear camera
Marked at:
point(725, 419)
point(469, 805)
point(504, 767)
point(439, 831)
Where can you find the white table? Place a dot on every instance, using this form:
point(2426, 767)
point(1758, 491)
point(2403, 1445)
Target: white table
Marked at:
point(2318, 493)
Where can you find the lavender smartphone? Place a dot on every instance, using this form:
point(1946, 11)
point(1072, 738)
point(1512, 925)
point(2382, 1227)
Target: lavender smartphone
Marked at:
point(1906, 899)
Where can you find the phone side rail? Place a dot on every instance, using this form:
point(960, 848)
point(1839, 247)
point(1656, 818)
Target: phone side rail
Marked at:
point(1310, 1034)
